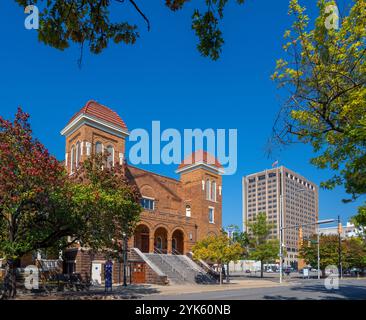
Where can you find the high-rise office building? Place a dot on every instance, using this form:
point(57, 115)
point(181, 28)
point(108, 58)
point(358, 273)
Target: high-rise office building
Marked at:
point(262, 193)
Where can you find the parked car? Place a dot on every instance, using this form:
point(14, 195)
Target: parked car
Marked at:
point(247, 271)
point(269, 270)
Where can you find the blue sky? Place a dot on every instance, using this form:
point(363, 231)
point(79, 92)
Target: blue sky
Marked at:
point(164, 78)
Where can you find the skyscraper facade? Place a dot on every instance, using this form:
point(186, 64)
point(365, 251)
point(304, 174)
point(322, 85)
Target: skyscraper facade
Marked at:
point(262, 192)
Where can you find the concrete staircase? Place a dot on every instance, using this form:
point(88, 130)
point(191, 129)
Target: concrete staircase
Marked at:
point(180, 269)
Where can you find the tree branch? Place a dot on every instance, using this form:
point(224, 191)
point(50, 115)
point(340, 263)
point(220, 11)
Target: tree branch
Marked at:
point(139, 11)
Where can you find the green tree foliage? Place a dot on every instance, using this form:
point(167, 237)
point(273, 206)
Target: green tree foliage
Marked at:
point(324, 77)
point(260, 247)
point(239, 236)
point(353, 252)
point(63, 22)
point(29, 178)
point(217, 249)
point(360, 219)
point(111, 202)
point(41, 208)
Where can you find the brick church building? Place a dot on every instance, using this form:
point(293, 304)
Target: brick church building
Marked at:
point(177, 213)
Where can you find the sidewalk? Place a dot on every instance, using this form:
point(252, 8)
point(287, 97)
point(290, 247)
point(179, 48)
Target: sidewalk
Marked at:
point(147, 290)
point(233, 285)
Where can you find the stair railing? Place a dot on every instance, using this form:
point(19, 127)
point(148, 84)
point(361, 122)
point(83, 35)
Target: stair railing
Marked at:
point(210, 272)
point(176, 252)
point(164, 260)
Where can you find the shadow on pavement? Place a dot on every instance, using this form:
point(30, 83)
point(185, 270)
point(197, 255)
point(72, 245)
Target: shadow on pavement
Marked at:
point(345, 292)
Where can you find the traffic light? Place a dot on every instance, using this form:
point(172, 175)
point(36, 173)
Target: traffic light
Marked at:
point(301, 240)
point(340, 228)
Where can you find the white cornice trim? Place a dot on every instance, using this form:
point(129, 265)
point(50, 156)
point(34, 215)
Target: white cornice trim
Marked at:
point(84, 119)
point(202, 165)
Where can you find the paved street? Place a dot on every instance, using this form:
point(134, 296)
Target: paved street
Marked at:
point(295, 290)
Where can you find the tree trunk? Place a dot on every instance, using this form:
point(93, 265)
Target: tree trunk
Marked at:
point(10, 289)
point(221, 280)
point(227, 274)
point(261, 269)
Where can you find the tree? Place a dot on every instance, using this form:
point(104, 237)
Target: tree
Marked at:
point(360, 219)
point(353, 252)
point(217, 249)
point(28, 177)
point(41, 208)
point(63, 22)
point(324, 74)
point(260, 247)
point(328, 246)
point(115, 210)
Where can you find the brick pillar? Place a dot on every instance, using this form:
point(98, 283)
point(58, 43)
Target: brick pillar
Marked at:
point(169, 245)
point(185, 247)
point(151, 245)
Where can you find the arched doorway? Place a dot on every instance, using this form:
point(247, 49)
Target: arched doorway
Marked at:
point(142, 234)
point(161, 240)
point(178, 242)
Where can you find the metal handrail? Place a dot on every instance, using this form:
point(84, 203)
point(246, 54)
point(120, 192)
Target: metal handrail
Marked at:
point(210, 272)
point(164, 260)
point(176, 252)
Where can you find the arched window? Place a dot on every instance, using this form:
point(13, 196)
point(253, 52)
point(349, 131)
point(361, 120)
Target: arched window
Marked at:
point(72, 165)
point(98, 147)
point(213, 197)
point(110, 159)
point(78, 154)
point(208, 189)
point(188, 211)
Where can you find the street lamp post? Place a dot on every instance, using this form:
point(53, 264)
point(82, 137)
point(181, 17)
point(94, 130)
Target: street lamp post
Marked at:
point(124, 259)
point(230, 234)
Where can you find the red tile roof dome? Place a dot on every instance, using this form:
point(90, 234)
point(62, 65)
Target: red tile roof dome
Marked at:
point(200, 156)
point(101, 112)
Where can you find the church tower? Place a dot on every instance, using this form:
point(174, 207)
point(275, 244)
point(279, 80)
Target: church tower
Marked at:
point(200, 175)
point(93, 129)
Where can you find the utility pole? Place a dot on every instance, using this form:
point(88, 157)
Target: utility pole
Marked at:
point(340, 247)
point(318, 241)
point(281, 226)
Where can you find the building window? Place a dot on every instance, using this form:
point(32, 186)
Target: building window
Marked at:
point(208, 189)
point(98, 147)
point(148, 204)
point(213, 198)
point(211, 215)
point(110, 159)
point(72, 167)
point(78, 154)
point(188, 211)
